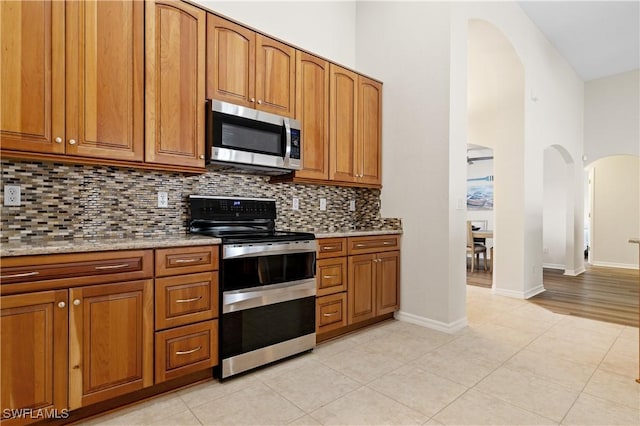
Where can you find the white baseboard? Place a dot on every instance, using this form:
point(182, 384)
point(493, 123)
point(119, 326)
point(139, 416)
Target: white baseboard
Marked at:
point(433, 324)
point(574, 272)
point(615, 265)
point(518, 294)
point(553, 266)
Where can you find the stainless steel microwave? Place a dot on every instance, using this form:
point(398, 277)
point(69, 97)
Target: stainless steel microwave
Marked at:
point(244, 138)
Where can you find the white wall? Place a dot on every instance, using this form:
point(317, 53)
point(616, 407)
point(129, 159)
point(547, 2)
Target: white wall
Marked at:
point(326, 28)
point(616, 211)
point(554, 210)
point(406, 45)
point(611, 116)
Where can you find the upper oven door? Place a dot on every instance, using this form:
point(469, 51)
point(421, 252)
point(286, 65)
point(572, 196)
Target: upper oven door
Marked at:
point(258, 270)
point(236, 134)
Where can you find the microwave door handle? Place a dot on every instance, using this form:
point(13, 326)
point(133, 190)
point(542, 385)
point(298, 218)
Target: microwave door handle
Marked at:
point(287, 150)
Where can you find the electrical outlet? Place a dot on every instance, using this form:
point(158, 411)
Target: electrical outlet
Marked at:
point(323, 204)
point(295, 204)
point(12, 196)
point(163, 200)
point(352, 205)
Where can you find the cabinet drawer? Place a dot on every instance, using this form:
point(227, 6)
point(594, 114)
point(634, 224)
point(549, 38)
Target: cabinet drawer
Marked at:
point(185, 299)
point(76, 268)
point(186, 349)
point(186, 260)
point(331, 276)
point(373, 244)
point(332, 247)
point(331, 312)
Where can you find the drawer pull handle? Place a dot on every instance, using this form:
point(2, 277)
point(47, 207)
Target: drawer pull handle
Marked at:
point(188, 300)
point(387, 243)
point(330, 314)
point(120, 266)
point(360, 245)
point(23, 274)
point(329, 247)
point(193, 259)
point(330, 276)
point(188, 352)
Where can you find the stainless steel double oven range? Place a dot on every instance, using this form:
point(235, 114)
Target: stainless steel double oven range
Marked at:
point(267, 281)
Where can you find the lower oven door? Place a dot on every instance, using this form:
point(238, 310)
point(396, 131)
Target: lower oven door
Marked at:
point(260, 325)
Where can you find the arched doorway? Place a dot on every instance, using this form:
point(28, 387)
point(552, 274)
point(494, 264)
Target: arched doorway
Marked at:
point(559, 231)
point(495, 119)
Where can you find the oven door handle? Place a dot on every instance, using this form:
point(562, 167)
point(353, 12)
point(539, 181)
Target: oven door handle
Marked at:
point(236, 251)
point(239, 300)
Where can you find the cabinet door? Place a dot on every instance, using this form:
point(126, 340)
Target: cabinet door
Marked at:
point(111, 341)
point(33, 352)
point(231, 55)
point(361, 289)
point(369, 131)
point(32, 70)
point(275, 76)
point(343, 116)
point(388, 280)
point(105, 86)
point(312, 110)
point(175, 40)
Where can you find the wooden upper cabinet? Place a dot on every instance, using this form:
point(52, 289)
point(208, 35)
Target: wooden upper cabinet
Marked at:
point(248, 69)
point(343, 124)
point(105, 79)
point(369, 145)
point(32, 68)
point(72, 78)
point(33, 351)
point(312, 110)
point(275, 76)
point(110, 340)
point(231, 54)
point(175, 83)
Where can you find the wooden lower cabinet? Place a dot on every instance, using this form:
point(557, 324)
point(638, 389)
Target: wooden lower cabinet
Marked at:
point(33, 352)
point(373, 285)
point(110, 341)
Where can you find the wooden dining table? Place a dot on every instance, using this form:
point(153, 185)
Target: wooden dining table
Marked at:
point(483, 233)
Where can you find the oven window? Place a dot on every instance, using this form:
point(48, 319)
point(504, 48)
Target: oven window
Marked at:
point(251, 329)
point(264, 270)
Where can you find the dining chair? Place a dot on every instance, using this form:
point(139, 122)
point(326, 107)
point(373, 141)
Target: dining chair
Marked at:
point(475, 248)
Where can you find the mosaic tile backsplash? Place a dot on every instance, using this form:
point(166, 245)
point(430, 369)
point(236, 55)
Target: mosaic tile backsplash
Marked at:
point(61, 201)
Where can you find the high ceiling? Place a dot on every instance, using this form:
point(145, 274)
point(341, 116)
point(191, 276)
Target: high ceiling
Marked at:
point(598, 38)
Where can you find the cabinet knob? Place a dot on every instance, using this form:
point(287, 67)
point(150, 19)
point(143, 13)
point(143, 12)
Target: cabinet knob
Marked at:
point(202, 156)
point(259, 101)
point(72, 141)
point(253, 99)
point(61, 305)
point(76, 302)
point(58, 139)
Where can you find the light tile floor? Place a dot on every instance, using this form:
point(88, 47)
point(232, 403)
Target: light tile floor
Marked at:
point(516, 364)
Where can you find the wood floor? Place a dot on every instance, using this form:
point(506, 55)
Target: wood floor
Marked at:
point(605, 294)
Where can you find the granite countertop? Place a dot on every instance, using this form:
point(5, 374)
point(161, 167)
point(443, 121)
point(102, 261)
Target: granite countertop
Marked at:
point(38, 247)
point(357, 233)
point(104, 244)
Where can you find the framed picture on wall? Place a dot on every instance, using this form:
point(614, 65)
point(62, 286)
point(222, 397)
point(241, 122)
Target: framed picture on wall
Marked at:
point(480, 193)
